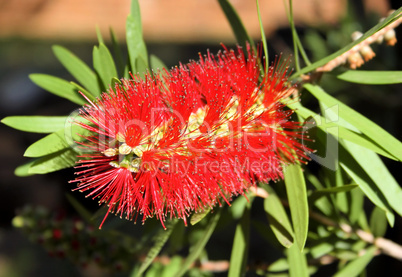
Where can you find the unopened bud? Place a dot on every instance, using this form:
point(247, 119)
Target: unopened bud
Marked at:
point(111, 152)
point(125, 149)
point(355, 60)
point(390, 37)
point(367, 53)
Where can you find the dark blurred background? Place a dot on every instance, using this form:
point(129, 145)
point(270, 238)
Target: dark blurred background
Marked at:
point(175, 30)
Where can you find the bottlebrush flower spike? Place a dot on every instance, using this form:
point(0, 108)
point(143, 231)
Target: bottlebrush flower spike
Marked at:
point(185, 140)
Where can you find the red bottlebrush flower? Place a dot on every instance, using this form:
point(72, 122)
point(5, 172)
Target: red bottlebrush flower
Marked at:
point(182, 141)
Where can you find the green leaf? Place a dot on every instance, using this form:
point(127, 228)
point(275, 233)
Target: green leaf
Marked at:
point(117, 53)
point(104, 65)
point(335, 128)
point(360, 177)
point(57, 141)
point(135, 42)
point(371, 77)
point(50, 144)
point(156, 63)
point(327, 191)
point(36, 124)
point(58, 87)
point(356, 206)
point(356, 266)
point(379, 174)
point(83, 91)
point(238, 258)
point(53, 162)
point(197, 217)
point(159, 241)
point(297, 262)
point(366, 126)
point(378, 222)
point(321, 249)
point(264, 40)
point(200, 245)
point(392, 17)
point(23, 170)
point(235, 22)
point(78, 69)
point(99, 35)
point(297, 197)
point(278, 219)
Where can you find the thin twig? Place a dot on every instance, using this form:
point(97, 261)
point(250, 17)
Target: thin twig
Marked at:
point(341, 59)
point(386, 246)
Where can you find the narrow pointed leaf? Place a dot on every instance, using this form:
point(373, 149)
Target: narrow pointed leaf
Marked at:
point(50, 144)
point(104, 65)
point(135, 42)
point(53, 162)
point(366, 126)
point(63, 138)
point(379, 174)
point(156, 63)
point(238, 258)
point(36, 124)
point(197, 217)
point(297, 262)
point(340, 131)
point(78, 69)
point(58, 87)
point(328, 191)
point(278, 219)
point(235, 22)
point(200, 245)
point(378, 222)
point(360, 177)
point(117, 53)
point(371, 77)
point(99, 35)
point(356, 266)
point(159, 241)
point(23, 170)
point(297, 197)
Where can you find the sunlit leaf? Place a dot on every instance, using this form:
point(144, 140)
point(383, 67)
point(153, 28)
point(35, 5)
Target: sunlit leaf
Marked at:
point(135, 42)
point(297, 261)
point(58, 87)
point(53, 162)
point(197, 217)
point(278, 219)
point(297, 197)
point(36, 124)
point(235, 22)
point(117, 53)
point(366, 126)
point(238, 258)
point(23, 170)
point(379, 174)
point(47, 145)
point(371, 77)
point(104, 65)
point(360, 177)
point(77, 68)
